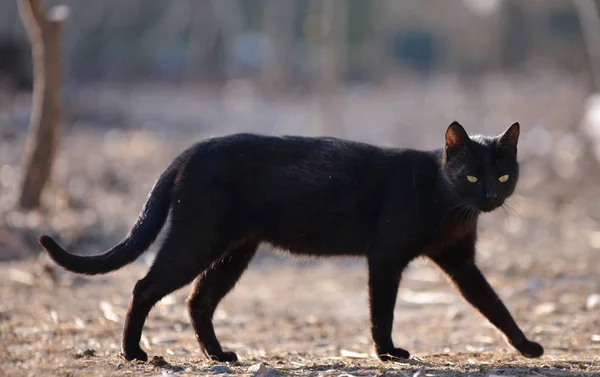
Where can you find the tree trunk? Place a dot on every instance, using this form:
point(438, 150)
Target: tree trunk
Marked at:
point(333, 55)
point(278, 21)
point(44, 32)
point(229, 16)
point(590, 28)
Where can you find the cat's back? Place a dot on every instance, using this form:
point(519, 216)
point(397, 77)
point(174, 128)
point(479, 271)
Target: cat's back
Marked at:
point(294, 145)
point(309, 156)
point(263, 151)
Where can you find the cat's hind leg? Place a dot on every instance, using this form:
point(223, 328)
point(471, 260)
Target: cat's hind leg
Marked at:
point(177, 263)
point(209, 288)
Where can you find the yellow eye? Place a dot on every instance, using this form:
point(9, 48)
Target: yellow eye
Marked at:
point(472, 179)
point(503, 178)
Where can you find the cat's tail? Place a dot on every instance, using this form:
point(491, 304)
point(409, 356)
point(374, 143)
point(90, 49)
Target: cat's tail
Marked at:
point(142, 235)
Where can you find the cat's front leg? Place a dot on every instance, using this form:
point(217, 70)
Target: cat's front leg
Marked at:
point(477, 291)
point(384, 279)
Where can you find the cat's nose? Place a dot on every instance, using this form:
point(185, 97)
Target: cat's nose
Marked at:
point(491, 195)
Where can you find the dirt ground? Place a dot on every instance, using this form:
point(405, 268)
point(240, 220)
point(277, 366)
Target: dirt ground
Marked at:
point(304, 317)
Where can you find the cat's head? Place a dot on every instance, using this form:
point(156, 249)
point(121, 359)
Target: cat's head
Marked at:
point(482, 171)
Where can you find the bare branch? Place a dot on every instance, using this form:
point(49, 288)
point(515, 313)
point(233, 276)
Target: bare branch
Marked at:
point(31, 12)
point(40, 148)
point(590, 27)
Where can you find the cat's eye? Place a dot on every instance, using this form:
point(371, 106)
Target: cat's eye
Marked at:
point(472, 179)
point(503, 178)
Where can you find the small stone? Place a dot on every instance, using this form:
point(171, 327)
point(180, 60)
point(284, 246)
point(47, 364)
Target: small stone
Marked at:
point(219, 369)
point(592, 301)
point(257, 368)
point(545, 308)
point(119, 365)
point(455, 314)
point(87, 353)
point(159, 361)
point(163, 340)
point(80, 323)
point(54, 316)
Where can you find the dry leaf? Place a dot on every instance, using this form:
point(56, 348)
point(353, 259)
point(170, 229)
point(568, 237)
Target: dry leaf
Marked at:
point(353, 355)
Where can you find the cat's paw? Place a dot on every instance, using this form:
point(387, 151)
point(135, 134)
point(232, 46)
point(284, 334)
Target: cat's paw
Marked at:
point(224, 357)
point(393, 354)
point(531, 349)
point(135, 353)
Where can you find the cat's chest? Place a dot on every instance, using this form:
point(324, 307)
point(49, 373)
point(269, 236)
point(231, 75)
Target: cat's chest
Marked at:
point(447, 236)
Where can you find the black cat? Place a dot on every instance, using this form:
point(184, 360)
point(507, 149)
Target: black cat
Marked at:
point(315, 196)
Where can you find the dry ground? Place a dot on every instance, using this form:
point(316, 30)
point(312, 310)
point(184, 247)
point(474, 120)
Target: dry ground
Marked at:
point(307, 317)
point(298, 319)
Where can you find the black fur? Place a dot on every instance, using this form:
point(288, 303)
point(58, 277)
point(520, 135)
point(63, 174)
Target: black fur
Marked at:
point(315, 196)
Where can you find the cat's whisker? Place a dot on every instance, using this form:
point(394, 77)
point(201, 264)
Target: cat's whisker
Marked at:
point(461, 206)
point(508, 210)
point(474, 212)
point(466, 213)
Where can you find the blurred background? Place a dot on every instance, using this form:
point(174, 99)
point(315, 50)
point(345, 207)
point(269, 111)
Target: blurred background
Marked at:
point(143, 79)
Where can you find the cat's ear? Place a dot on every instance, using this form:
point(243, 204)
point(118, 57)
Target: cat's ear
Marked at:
point(456, 135)
point(510, 137)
